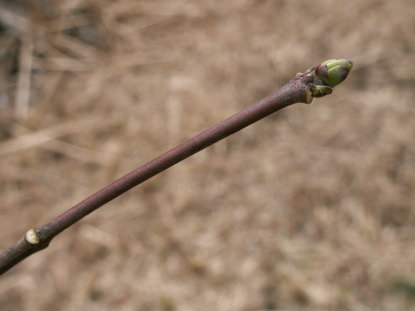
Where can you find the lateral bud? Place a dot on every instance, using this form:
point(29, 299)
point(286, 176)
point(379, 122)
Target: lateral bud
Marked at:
point(320, 90)
point(32, 237)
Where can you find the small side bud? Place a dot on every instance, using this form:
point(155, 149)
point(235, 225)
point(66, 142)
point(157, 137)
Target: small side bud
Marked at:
point(320, 90)
point(32, 237)
point(333, 71)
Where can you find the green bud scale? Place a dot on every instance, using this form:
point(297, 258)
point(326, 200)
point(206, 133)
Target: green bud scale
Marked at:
point(333, 71)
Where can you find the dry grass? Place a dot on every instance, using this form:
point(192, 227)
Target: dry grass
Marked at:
point(311, 209)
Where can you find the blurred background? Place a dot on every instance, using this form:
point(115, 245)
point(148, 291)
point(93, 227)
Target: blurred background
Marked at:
point(309, 209)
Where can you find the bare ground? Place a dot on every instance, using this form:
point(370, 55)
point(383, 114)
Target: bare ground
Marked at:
point(310, 209)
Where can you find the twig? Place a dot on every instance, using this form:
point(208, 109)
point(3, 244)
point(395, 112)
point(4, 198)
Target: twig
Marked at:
point(70, 150)
point(39, 137)
point(14, 20)
point(24, 77)
point(315, 82)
